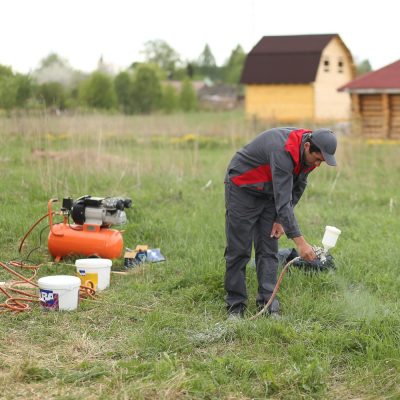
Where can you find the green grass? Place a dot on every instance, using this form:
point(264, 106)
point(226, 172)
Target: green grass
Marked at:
point(161, 332)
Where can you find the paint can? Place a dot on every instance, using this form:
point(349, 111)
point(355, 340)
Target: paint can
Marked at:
point(95, 270)
point(59, 292)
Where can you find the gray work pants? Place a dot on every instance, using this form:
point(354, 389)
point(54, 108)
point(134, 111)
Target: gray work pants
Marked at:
point(249, 218)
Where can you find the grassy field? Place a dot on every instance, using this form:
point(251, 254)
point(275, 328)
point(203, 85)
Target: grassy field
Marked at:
point(161, 332)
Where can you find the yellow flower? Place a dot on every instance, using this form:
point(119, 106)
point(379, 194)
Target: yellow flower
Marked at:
point(190, 137)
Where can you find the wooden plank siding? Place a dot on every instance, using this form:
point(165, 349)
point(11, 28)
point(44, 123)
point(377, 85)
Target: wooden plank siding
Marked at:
point(371, 110)
point(283, 103)
point(394, 106)
point(379, 114)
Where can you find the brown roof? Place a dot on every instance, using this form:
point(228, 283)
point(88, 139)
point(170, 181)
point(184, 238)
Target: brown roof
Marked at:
point(387, 77)
point(285, 59)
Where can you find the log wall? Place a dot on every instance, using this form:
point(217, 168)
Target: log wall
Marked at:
point(378, 113)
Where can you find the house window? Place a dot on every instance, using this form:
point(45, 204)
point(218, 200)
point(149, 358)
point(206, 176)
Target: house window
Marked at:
point(326, 64)
point(340, 66)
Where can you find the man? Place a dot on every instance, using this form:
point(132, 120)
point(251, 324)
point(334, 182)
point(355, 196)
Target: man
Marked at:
point(264, 181)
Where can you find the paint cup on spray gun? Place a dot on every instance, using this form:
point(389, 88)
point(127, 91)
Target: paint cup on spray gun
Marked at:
point(330, 238)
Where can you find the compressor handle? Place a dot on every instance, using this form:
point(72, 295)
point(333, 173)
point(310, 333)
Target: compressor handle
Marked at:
point(50, 214)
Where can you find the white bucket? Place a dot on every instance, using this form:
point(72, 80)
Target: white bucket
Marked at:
point(96, 270)
point(59, 292)
point(330, 237)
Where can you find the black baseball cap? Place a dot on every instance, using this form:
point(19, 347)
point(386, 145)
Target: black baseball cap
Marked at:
point(325, 140)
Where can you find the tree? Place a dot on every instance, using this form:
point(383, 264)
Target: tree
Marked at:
point(146, 89)
point(170, 100)
point(8, 88)
point(206, 58)
point(53, 68)
point(363, 67)
point(51, 59)
point(188, 97)
point(15, 89)
point(206, 65)
point(98, 91)
point(123, 89)
point(161, 53)
point(234, 65)
point(25, 88)
point(184, 71)
point(52, 94)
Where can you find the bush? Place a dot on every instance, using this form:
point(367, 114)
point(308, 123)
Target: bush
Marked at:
point(123, 89)
point(98, 92)
point(146, 90)
point(188, 98)
point(52, 94)
point(170, 101)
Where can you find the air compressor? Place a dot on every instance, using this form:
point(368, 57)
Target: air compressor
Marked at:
point(90, 234)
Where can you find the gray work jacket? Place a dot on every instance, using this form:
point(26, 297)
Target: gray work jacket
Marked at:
point(271, 166)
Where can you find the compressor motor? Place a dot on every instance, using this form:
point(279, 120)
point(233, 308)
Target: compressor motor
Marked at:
point(102, 211)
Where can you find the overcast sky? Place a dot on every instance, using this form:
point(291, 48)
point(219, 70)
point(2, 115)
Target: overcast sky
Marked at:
point(83, 30)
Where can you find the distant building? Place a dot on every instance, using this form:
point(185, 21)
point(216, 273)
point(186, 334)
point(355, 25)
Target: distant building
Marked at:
point(218, 97)
point(375, 99)
point(177, 85)
point(295, 78)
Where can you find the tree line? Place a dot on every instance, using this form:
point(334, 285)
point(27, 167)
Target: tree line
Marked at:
point(144, 87)
point(162, 82)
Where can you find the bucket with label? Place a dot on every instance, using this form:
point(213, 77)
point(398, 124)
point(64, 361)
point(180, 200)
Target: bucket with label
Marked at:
point(59, 292)
point(94, 270)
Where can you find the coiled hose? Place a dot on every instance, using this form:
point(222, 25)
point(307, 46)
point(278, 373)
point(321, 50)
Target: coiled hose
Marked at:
point(18, 300)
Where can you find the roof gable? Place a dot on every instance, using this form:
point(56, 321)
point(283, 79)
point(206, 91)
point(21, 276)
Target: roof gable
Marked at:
point(387, 77)
point(285, 59)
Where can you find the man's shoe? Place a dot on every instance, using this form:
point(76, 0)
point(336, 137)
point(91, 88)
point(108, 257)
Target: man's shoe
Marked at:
point(236, 312)
point(273, 310)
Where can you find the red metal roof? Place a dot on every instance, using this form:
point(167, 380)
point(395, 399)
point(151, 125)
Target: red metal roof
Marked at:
point(387, 77)
point(285, 59)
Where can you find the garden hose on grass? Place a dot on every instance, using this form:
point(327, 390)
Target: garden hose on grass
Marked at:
point(276, 289)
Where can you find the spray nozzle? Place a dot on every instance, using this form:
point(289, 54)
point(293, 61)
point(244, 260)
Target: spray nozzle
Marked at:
point(320, 252)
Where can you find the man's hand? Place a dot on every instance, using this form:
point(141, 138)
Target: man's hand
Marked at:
point(306, 252)
point(277, 230)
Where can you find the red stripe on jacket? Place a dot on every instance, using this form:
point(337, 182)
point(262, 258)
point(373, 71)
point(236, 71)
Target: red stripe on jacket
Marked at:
point(256, 175)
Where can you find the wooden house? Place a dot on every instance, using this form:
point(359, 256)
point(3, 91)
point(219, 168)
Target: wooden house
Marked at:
point(295, 78)
point(375, 99)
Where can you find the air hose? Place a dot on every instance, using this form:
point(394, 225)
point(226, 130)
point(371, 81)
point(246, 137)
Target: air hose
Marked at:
point(31, 229)
point(276, 289)
point(20, 301)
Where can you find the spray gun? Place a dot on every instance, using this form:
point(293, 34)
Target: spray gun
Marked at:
point(324, 259)
point(328, 241)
